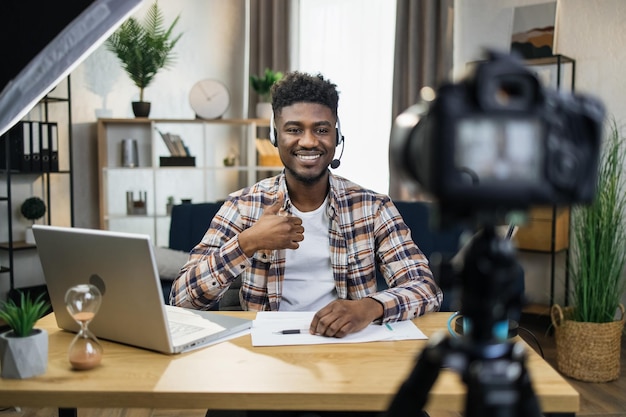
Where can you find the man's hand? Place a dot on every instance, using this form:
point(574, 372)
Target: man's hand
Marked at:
point(275, 229)
point(342, 317)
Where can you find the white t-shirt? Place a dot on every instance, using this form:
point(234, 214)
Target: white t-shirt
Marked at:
point(309, 283)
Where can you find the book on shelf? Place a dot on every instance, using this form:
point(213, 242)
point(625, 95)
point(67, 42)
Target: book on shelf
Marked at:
point(168, 141)
point(181, 149)
point(174, 144)
point(267, 154)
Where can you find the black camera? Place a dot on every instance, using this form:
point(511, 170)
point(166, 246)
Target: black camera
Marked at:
point(498, 142)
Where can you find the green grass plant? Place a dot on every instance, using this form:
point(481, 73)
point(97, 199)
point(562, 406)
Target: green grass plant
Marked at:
point(21, 318)
point(598, 255)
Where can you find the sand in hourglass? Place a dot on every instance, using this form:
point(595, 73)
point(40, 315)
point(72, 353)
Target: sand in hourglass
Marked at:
point(83, 316)
point(85, 360)
point(87, 356)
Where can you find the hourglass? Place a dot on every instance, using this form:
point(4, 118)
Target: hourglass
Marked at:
point(82, 302)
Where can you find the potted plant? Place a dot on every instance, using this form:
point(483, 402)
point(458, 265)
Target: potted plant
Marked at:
point(144, 49)
point(588, 335)
point(262, 86)
point(23, 349)
point(33, 208)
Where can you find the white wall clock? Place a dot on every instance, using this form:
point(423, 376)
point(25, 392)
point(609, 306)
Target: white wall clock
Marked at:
point(209, 99)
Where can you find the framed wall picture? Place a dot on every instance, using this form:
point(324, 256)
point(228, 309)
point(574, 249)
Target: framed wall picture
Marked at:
point(533, 30)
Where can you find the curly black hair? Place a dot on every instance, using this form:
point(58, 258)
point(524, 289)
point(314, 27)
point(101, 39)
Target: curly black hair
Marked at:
point(298, 87)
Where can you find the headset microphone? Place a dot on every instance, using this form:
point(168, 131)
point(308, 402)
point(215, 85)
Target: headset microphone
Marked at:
point(337, 161)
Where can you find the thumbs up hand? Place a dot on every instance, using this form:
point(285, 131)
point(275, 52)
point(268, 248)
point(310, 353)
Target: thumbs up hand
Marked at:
point(275, 229)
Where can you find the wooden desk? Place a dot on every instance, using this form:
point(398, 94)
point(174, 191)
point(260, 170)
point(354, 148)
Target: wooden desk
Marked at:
point(235, 375)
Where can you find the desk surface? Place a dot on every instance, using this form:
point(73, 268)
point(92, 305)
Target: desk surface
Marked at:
point(235, 375)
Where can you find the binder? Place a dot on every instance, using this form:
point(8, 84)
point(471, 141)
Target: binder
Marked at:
point(11, 147)
point(26, 146)
point(44, 146)
point(53, 135)
point(14, 147)
point(35, 147)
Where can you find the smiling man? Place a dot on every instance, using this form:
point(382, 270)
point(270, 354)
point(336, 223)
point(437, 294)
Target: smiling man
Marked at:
point(308, 240)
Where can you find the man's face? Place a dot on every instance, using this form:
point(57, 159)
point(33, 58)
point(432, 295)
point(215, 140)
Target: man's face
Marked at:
point(306, 138)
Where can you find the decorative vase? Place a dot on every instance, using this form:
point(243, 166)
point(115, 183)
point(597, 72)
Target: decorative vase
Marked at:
point(263, 110)
point(587, 351)
point(141, 108)
point(23, 357)
point(29, 237)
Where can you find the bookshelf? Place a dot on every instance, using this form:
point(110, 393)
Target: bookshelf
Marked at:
point(225, 159)
point(52, 182)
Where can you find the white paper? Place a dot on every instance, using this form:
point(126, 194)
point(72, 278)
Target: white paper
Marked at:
point(267, 326)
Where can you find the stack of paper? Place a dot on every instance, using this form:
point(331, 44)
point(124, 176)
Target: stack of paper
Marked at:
point(276, 328)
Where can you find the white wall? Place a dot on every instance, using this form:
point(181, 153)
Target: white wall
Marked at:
point(591, 32)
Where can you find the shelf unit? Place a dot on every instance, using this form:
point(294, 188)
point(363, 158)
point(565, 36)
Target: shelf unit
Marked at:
point(209, 180)
point(548, 228)
point(55, 107)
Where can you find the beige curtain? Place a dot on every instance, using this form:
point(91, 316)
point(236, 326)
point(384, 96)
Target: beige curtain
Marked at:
point(269, 39)
point(423, 57)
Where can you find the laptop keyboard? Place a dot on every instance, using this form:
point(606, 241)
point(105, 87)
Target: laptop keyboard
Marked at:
point(178, 329)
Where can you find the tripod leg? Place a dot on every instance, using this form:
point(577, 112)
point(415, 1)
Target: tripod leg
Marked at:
point(413, 394)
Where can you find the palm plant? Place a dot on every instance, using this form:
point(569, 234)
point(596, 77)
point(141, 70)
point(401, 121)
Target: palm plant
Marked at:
point(599, 239)
point(145, 48)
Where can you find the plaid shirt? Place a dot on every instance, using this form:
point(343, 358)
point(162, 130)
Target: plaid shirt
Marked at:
point(365, 229)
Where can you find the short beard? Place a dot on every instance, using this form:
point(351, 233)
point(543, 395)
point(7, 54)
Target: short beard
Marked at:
point(307, 180)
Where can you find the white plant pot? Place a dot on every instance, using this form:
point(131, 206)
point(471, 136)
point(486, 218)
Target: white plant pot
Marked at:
point(29, 236)
point(23, 357)
point(264, 110)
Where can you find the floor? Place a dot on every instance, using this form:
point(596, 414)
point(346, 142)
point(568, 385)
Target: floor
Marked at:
point(597, 399)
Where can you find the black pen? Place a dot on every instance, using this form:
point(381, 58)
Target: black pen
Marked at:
point(293, 331)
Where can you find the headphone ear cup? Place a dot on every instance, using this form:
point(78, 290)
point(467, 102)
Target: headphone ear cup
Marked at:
point(273, 132)
point(273, 137)
point(340, 137)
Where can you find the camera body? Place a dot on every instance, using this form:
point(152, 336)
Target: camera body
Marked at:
point(498, 141)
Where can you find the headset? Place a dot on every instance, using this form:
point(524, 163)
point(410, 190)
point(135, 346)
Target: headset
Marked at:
point(340, 140)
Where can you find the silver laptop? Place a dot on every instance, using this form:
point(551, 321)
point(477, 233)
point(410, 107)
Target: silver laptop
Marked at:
point(122, 266)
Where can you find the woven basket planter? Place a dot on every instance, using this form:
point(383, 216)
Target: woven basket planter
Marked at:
point(587, 351)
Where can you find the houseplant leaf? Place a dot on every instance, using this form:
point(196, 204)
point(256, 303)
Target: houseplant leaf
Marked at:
point(144, 48)
point(262, 84)
point(599, 239)
point(22, 317)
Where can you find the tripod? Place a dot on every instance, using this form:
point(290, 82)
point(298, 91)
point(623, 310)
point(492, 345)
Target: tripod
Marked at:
point(492, 368)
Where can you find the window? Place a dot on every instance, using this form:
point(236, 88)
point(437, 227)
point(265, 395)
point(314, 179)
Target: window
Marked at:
point(351, 42)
